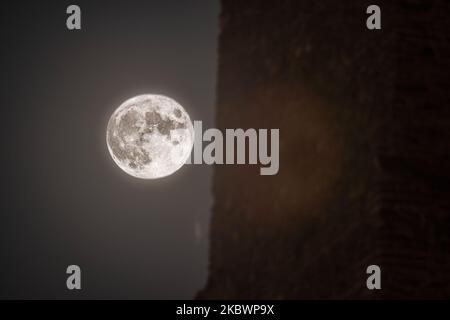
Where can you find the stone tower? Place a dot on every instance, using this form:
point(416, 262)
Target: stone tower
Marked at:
point(364, 176)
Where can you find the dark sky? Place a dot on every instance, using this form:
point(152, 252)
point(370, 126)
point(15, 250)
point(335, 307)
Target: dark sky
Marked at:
point(64, 201)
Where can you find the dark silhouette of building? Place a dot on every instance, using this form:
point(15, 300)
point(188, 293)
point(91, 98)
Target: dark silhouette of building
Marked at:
point(364, 176)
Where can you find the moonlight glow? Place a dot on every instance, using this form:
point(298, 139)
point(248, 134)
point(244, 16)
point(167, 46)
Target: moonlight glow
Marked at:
point(150, 136)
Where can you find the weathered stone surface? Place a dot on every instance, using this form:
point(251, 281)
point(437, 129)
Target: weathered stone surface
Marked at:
point(364, 154)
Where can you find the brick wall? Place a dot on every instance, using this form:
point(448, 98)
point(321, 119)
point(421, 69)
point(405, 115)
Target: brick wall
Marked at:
point(364, 176)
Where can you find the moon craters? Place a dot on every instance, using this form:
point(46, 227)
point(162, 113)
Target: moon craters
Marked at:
point(150, 136)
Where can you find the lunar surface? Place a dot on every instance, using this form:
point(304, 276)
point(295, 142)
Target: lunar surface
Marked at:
point(150, 136)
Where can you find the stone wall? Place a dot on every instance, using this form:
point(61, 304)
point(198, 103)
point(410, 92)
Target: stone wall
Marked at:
point(364, 174)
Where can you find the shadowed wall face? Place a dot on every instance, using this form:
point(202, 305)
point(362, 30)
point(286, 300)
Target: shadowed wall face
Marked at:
point(359, 112)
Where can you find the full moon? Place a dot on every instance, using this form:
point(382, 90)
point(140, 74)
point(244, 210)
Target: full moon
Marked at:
point(150, 136)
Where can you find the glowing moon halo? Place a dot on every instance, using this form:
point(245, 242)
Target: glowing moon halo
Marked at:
point(150, 136)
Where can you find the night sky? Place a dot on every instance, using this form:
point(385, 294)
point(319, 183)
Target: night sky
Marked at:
point(63, 200)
